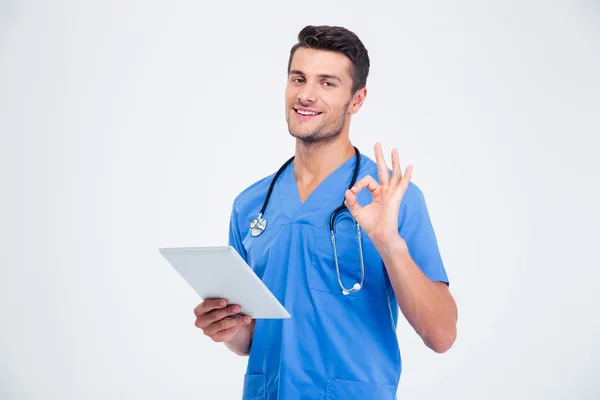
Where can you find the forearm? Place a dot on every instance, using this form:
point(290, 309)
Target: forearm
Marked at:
point(241, 342)
point(430, 312)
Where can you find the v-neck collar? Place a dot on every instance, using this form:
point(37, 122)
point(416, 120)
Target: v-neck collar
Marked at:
point(333, 186)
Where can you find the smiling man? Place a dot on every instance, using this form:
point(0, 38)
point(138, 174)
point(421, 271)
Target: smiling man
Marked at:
point(321, 122)
point(343, 291)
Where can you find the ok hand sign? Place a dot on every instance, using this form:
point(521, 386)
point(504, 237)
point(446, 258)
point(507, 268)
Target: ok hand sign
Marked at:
point(379, 219)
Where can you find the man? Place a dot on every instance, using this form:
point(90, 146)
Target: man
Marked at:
point(341, 341)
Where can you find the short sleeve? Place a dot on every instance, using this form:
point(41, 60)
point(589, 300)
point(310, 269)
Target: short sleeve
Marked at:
point(235, 237)
point(418, 233)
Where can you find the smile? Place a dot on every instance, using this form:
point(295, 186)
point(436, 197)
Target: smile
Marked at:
point(306, 113)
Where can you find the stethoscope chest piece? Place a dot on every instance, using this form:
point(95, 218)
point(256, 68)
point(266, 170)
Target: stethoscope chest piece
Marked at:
point(258, 225)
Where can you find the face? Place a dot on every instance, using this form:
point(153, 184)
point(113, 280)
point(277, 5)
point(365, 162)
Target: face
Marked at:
point(318, 96)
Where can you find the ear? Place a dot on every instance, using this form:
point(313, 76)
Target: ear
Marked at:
point(357, 101)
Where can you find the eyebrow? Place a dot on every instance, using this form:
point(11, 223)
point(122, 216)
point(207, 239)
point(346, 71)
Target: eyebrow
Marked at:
point(322, 76)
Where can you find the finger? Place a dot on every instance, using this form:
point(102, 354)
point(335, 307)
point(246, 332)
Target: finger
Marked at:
point(366, 182)
point(406, 178)
point(209, 305)
point(224, 324)
point(352, 204)
point(204, 320)
point(382, 168)
point(396, 170)
point(225, 334)
point(217, 315)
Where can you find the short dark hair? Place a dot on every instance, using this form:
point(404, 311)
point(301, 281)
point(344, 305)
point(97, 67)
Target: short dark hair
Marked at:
point(339, 40)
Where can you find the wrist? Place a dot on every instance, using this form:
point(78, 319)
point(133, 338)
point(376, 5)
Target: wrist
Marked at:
point(389, 244)
point(388, 241)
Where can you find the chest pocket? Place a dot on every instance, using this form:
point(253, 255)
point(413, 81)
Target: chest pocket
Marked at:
point(323, 273)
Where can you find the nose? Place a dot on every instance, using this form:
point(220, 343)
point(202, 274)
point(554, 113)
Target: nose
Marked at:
point(307, 94)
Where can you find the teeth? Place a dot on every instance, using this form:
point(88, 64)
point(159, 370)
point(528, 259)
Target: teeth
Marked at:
point(306, 112)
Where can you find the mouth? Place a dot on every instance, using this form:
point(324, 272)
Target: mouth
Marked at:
point(306, 114)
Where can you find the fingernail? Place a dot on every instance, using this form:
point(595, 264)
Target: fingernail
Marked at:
point(222, 303)
point(236, 309)
point(247, 320)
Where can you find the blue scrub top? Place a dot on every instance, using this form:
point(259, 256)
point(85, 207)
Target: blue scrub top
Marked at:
point(334, 346)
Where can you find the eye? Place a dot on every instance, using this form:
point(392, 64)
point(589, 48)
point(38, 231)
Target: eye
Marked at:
point(328, 84)
point(298, 80)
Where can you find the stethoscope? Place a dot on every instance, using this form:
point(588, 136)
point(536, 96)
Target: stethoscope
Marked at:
point(259, 224)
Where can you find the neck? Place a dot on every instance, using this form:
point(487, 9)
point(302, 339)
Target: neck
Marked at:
point(315, 161)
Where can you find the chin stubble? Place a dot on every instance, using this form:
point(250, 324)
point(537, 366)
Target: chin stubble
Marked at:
point(317, 136)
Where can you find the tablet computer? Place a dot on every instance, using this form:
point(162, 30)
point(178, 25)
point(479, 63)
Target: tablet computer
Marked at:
point(220, 272)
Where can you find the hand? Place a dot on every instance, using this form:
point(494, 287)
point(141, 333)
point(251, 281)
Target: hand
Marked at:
point(379, 219)
point(211, 318)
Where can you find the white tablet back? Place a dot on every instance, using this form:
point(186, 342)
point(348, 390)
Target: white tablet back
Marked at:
point(220, 272)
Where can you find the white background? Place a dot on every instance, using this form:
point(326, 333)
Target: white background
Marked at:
point(128, 126)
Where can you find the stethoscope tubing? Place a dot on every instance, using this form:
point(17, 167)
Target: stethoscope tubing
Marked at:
point(259, 224)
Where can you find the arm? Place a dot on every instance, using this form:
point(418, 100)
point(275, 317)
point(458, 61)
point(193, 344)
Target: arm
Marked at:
point(428, 306)
point(418, 281)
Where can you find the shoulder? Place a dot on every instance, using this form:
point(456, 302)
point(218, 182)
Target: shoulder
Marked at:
point(413, 198)
point(251, 195)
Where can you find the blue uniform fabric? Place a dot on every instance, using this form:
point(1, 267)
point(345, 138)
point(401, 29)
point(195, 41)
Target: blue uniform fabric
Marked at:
point(334, 346)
